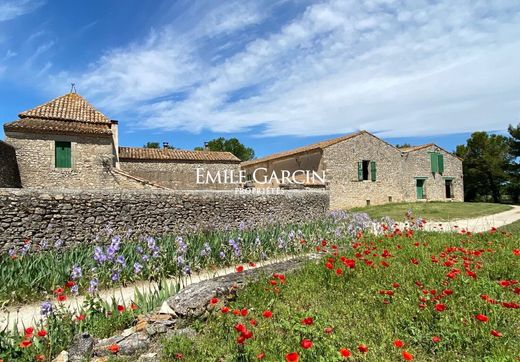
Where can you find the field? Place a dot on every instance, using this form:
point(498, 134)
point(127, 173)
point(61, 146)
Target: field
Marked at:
point(421, 296)
point(434, 211)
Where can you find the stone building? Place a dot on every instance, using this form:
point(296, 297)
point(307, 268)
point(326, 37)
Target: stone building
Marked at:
point(361, 169)
point(67, 143)
point(9, 174)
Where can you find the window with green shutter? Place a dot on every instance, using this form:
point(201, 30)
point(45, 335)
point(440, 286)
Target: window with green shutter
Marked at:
point(440, 162)
point(63, 155)
point(434, 162)
point(360, 171)
point(373, 170)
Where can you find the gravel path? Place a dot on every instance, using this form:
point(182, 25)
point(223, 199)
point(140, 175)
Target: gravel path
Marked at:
point(28, 315)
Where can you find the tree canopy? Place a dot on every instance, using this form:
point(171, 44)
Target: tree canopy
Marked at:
point(232, 145)
point(152, 145)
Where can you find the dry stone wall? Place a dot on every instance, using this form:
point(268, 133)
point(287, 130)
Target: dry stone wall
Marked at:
point(78, 217)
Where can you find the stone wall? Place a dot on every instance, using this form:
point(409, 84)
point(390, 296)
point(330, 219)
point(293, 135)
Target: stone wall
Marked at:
point(418, 164)
point(79, 216)
point(341, 171)
point(9, 174)
point(178, 175)
point(92, 159)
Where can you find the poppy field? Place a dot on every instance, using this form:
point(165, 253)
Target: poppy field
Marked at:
point(403, 295)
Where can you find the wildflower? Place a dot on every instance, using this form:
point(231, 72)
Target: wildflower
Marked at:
point(260, 355)
point(307, 321)
point(42, 333)
point(115, 276)
point(306, 343)
point(99, 256)
point(440, 307)
point(407, 356)
point(362, 348)
point(81, 317)
point(345, 353)
point(224, 310)
point(339, 271)
point(244, 312)
point(58, 291)
point(25, 344)
point(239, 269)
point(39, 357)
point(76, 273)
point(496, 333)
point(70, 284)
point(213, 301)
point(58, 244)
point(206, 250)
point(222, 255)
point(137, 268)
point(113, 348)
point(46, 309)
point(292, 357)
point(482, 318)
point(516, 252)
point(121, 260)
point(267, 314)
point(62, 298)
point(120, 308)
point(328, 330)
point(398, 343)
point(75, 290)
point(253, 322)
point(93, 285)
point(134, 306)
point(29, 332)
point(436, 339)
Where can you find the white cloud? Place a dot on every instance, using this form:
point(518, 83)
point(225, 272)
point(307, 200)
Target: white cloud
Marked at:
point(15, 8)
point(392, 68)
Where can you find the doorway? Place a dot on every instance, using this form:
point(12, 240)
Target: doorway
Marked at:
point(419, 185)
point(448, 186)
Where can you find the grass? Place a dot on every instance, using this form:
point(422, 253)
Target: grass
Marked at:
point(351, 309)
point(434, 211)
point(512, 228)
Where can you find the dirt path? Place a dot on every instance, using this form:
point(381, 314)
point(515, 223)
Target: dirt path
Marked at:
point(29, 314)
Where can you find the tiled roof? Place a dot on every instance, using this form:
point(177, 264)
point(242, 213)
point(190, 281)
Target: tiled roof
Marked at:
point(314, 146)
point(415, 148)
point(136, 153)
point(69, 107)
point(57, 127)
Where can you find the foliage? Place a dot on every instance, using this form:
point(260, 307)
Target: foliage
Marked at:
point(514, 168)
point(422, 296)
point(404, 145)
point(152, 145)
point(232, 145)
point(434, 211)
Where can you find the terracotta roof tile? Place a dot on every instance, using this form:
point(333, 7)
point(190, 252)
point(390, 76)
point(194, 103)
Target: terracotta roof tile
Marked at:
point(69, 107)
point(136, 153)
point(415, 148)
point(57, 127)
point(314, 146)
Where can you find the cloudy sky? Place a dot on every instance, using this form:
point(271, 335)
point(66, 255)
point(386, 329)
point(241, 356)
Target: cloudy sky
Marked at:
point(276, 74)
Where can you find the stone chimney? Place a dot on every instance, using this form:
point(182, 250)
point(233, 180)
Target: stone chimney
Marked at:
point(115, 141)
point(165, 145)
point(206, 148)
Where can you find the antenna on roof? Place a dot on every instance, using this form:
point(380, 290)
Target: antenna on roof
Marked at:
point(73, 87)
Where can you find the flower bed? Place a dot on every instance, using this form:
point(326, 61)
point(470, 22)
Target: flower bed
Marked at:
point(405, 296)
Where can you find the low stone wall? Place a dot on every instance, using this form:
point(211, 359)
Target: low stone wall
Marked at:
point(9, 173)
point(79, 216)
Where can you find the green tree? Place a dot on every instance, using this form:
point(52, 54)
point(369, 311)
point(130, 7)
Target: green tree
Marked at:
point(514, 168)
point(232, 145)
point(152, 145)
point(486, 161)
point(404, 145)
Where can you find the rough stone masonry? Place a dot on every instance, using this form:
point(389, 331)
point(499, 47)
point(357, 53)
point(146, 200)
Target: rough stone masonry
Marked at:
point(78, 217)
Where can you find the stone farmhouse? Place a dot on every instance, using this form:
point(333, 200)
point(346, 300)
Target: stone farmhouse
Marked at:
point(67, 143)
point(361, 169)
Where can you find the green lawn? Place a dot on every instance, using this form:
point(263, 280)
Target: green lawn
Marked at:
point(437, 211)
point(425, 296)
point(512, 228)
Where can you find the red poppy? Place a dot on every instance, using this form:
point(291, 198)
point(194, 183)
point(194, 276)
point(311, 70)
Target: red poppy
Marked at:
point(213, 301)
point(482, 318)
point(329, 265)
point(307, 321)
point(81, 317)
point(306, 343)
point(414, 261)
point(25, 344)
point(395, 285)
point(39, 357)
point(252, 265)
point(273, 282)
point(70, 284)
point(253, 322)
point(224, 310)
point(42, 333)
point(244, 312)
point(260, 355)
point(362, 348)
point(62, 298)
point(292, 357)
point(436, 339)
point(516, 252)
point(339, 271)
point(407, 356)
point(440, 307)
point(239, 269)
point(267, 314)
point(113, 348)
point(398, 343)
point(240, 327)
point(179, 356)
point(29, 332)
point(121, 308)
point(58, 291)
point(496, 333)
point(345, 353)
point(328, 330)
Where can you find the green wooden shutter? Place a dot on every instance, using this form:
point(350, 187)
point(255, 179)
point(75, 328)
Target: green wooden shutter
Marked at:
point(360, 171)
point(441, 162)
point(434, 162)
point(63, 155)
point(373, 171)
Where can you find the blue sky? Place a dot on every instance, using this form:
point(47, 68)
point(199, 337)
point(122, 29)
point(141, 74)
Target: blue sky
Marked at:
point(275, 74)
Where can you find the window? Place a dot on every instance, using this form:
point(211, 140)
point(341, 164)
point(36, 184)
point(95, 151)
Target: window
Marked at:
point(448, 186)
point(437, 162)
point(367, 168)
point(63, 155)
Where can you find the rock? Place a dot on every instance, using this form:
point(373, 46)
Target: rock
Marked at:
point(165, 309)
point(137, 342)
point(62, 357)
point(100, 359)
point(81, 347)
point(141, 325)
point(148, 357)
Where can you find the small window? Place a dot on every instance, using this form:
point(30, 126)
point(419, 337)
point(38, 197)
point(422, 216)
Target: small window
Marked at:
point(63, 155)
point(363, 170)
